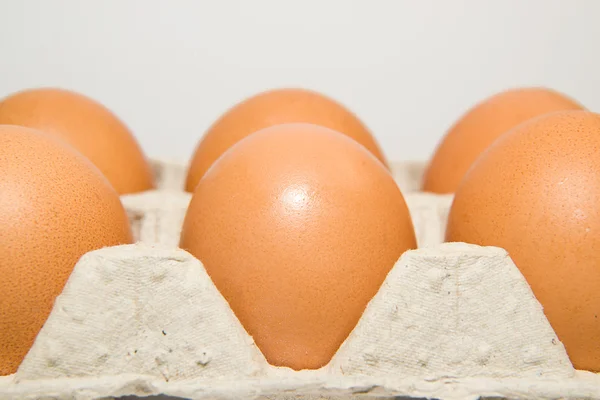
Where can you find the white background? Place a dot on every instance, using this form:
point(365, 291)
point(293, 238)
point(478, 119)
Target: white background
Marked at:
point(409, 69)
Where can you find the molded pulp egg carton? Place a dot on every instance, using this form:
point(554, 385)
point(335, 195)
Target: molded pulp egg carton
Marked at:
point(451, 321)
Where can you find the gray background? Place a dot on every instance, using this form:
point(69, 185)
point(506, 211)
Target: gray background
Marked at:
point(409, 69)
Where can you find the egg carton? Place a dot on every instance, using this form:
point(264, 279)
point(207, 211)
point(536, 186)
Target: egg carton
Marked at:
point(451, 321)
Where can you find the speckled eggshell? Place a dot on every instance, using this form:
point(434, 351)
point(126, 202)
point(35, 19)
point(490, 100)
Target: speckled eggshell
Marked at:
point(54, 207)
point(536, 193)
point(89, 127)
point(483, 124)
point(270, 108)
point(298, 226)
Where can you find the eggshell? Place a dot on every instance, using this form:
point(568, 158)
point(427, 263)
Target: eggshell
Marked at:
point(483, 124)
point(298, 226)
point(54, 207)
point(270, 108)
point(536, 193)
point(89, 127)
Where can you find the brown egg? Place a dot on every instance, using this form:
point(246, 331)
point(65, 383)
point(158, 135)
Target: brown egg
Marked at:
point(483, 124)
point(536, 193)
point(89, 127)
point(298, 226)
point(54, 207)
point(272, 108)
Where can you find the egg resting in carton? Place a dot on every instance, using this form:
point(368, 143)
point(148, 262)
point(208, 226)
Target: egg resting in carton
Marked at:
point(451, 321)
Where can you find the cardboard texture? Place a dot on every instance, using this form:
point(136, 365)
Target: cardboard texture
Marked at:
point(451, 321)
